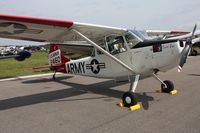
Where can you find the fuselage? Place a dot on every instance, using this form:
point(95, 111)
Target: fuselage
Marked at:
point(142, 60)
point(144, 56)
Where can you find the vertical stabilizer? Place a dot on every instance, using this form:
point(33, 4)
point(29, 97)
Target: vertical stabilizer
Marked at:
point(56, 59)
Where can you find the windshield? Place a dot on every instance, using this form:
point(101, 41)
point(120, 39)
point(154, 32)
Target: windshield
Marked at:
point(141, 34)
point(132, 39)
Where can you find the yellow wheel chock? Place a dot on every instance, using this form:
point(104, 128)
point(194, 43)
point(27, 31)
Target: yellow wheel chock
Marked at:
point(121, 104)
point(135, 107)
point(173, 92)
point(132, 108)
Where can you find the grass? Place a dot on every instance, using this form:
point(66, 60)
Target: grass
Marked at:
point(12, 68)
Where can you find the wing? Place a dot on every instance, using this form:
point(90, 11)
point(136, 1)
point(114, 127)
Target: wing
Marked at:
point(49, 30)
point(160, 33)
point(174, 35)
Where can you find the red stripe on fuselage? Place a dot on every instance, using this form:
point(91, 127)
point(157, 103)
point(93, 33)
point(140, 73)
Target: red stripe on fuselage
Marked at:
point(33, 20)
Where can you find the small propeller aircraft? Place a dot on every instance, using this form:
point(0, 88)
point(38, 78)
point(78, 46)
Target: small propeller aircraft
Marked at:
point(117, 52)
point(20, 56)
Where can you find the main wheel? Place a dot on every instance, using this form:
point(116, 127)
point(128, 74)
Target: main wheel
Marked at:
point(129, 99)
point(168, 88)
point(194, 53)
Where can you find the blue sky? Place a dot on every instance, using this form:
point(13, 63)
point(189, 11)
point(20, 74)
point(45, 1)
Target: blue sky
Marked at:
point(139, 14)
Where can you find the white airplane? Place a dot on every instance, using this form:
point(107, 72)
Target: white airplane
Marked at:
point(118, 52)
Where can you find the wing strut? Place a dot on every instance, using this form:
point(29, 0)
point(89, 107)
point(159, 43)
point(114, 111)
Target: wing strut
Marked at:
point(104, 51)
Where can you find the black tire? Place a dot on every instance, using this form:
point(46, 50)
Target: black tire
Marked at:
point(194, 53)
point(169, 88)
point(129, 99)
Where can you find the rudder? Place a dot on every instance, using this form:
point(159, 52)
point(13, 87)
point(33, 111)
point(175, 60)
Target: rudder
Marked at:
point(56, 59)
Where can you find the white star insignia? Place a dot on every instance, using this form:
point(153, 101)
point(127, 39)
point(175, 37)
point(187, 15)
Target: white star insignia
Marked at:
point(94, 66)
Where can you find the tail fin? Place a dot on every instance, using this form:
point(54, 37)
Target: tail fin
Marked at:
point(56, 59)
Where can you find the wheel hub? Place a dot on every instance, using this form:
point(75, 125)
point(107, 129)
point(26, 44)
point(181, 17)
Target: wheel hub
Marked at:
point(128, 100)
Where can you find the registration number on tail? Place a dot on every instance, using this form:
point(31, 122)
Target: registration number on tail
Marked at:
point(55, 58)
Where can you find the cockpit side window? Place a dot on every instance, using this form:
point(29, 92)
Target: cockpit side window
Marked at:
point(131, 39)
point(115, 44)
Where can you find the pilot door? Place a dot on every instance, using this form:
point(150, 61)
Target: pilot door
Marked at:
point(117, 47)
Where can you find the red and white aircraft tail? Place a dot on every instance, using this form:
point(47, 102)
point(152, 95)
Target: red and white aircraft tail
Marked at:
point(56, 59)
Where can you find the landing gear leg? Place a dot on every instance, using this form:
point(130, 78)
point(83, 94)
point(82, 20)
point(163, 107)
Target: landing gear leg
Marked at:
point(54, 76)
point(129, 98)
point(167, 86)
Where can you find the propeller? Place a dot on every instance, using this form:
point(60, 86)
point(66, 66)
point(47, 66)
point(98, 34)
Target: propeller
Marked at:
point(184, 53)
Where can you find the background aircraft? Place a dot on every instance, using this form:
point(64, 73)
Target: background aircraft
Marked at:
point(20, 56)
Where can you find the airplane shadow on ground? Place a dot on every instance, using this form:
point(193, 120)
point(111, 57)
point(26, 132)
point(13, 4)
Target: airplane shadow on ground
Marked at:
point(102, 88)
point(194, 75)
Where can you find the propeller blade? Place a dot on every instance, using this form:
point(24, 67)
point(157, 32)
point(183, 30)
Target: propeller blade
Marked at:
point(184, 53)
point(195, 27)
point(183, 58)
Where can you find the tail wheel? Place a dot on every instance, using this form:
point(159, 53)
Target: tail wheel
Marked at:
point(129, 99)
point(168, 88)
point(54, 77)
